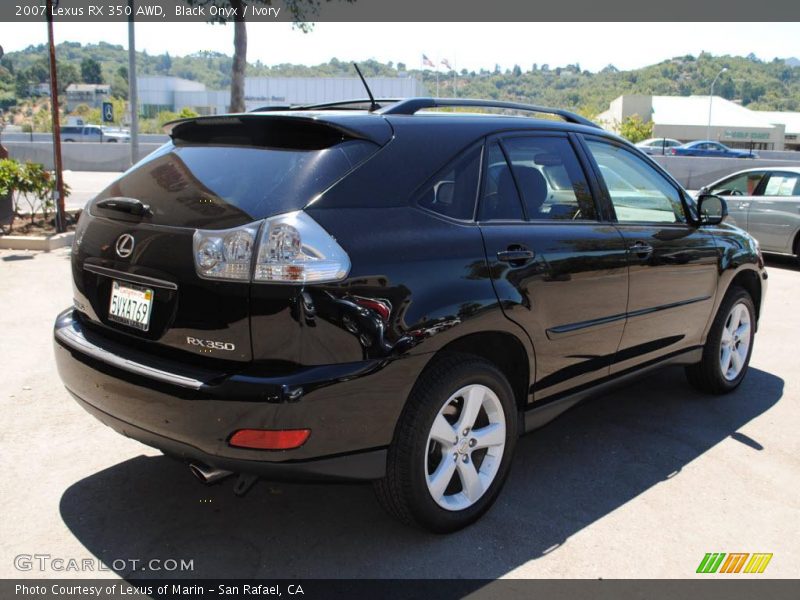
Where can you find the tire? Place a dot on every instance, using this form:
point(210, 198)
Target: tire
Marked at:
point(734, 326)
point(409, 491)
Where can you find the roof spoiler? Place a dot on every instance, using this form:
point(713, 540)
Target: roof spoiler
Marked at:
point(367, 128)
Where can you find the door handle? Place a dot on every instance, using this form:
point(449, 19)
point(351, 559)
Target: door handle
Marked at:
point(516, 255)
point(641, 249)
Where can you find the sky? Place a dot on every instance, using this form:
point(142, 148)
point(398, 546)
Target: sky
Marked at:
point(465, 45)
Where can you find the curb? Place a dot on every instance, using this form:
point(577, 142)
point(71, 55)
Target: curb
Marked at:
point(42, 242)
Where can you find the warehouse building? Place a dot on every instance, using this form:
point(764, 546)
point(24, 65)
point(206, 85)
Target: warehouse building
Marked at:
point(158, 94)
point(791, 124)
point(686, 118)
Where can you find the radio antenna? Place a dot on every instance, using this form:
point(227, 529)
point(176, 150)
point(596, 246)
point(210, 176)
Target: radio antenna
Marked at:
point(372, 104)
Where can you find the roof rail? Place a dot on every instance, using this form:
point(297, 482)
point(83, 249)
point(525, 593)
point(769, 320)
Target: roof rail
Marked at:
point(341, 104)
point(271, 108)
point(412, 105)
point(345, 103)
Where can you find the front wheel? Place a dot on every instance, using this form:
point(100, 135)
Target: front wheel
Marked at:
point(726, 355)
point(453, 446)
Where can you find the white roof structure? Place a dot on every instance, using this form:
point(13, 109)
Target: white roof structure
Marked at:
point(789, 119)
point(686, 118)
point(693, 110)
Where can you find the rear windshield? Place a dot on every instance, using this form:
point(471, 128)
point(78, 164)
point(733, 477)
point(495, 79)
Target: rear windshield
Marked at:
point(215, 181)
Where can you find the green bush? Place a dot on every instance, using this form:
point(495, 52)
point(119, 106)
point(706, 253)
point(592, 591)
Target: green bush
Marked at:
point(30, 183)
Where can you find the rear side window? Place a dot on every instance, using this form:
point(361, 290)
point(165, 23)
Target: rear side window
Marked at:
point(222, 176)
point(453, 190)
point(782, 184)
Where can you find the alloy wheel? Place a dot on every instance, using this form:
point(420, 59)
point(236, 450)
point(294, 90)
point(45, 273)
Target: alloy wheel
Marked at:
point(465, 447)
point(735, 343)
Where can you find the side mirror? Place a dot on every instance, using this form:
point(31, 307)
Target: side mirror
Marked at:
point(712, 209)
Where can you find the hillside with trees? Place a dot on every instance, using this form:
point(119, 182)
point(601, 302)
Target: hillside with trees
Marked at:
point(760, 85)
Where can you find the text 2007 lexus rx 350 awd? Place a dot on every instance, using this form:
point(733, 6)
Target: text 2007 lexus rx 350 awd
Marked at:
point(392, 293)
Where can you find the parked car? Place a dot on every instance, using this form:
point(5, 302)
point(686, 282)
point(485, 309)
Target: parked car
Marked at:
point(712, 149)
point(115, 134)
point(657, 145)
point(93, 133)
point(392, 294)
point(765, 202)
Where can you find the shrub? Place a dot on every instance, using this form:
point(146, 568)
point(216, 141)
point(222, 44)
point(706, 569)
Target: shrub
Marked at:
point(31, 183)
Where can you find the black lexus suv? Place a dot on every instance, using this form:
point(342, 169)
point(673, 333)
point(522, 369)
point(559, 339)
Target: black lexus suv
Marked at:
point(392, 292)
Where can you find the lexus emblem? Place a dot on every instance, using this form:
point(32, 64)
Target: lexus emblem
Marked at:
point(124, 245)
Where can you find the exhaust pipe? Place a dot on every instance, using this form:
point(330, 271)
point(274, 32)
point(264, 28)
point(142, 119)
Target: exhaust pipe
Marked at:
point(208, 475)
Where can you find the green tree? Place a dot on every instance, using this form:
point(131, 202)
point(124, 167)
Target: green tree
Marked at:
point(634, 129)
point(67, 74)
point(164, 63)
point(91, 71)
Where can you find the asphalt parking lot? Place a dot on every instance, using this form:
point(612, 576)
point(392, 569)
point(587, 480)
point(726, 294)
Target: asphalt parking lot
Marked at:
point(639, 483)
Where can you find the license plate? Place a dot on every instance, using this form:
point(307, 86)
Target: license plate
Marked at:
point(130, 305)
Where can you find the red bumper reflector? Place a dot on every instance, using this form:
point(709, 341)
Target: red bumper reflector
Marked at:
point(270, 439)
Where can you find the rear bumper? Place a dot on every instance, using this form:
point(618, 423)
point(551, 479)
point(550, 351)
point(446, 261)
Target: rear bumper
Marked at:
point(190, 412)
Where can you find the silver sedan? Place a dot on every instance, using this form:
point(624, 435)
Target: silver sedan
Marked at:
point(765, 202)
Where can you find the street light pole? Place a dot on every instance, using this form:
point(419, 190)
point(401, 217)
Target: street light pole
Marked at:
point(61, 224)
point(710, 99)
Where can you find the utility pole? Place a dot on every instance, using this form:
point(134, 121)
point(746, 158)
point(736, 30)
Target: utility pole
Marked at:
point(133, 92)
point(61, 221)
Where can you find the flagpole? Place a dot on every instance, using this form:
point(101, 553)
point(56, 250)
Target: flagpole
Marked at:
point(455, 74)
point(437, 81)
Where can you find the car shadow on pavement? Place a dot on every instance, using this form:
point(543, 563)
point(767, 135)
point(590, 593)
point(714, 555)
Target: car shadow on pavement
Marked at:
point(566, 476)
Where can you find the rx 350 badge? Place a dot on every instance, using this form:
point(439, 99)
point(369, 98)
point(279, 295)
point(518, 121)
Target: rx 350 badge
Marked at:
point(210, 344)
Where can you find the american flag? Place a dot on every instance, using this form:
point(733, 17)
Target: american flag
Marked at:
point(446, 63)
point(427, 61)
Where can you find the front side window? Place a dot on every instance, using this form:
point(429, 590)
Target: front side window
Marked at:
point(500, 199)
point(638, 192)
point(549, 178)
point(740, 185)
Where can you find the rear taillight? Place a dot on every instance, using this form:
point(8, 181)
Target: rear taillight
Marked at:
point(295, 249)
point(225, 254)
point(288, 248)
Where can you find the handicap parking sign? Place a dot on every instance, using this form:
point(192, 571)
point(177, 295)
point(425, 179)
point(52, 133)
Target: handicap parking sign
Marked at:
point(108, 112)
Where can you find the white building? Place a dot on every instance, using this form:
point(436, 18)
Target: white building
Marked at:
point(791, 124)
point(91, 94)
point(271, 91)
point(686, 118)
point(157, 94)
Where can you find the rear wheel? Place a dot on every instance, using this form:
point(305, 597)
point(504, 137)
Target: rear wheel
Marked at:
point(453, 446)
point(726, 355)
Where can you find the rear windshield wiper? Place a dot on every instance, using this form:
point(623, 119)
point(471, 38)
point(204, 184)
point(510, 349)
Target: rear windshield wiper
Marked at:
point(127, 205)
